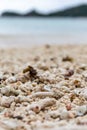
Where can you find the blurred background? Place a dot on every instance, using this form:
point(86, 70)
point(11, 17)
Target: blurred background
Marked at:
point(43, 22)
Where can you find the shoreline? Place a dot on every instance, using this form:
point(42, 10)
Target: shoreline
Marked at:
point(29, 40)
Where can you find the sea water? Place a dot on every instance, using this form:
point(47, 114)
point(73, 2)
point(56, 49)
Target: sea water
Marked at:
point(46, 29)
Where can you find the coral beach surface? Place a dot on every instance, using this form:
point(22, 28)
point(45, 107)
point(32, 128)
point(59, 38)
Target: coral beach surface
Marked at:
point(43, 88)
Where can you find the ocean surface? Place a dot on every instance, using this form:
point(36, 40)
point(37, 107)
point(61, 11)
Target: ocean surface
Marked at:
point(47, 30)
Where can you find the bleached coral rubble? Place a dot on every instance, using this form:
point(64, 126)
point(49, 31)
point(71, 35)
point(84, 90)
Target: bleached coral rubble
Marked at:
point(43, 88)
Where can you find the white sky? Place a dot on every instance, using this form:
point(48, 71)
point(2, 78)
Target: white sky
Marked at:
point(40, 5)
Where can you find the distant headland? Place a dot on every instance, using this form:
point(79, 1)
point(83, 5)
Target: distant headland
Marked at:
point(77, 11)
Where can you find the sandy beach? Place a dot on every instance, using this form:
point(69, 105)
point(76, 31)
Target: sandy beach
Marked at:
point(29, 40)
point(43, 87)
point(43, 65)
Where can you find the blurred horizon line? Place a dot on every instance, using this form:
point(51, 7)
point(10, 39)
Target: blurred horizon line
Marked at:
point(73, 11)
point(29, 10)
